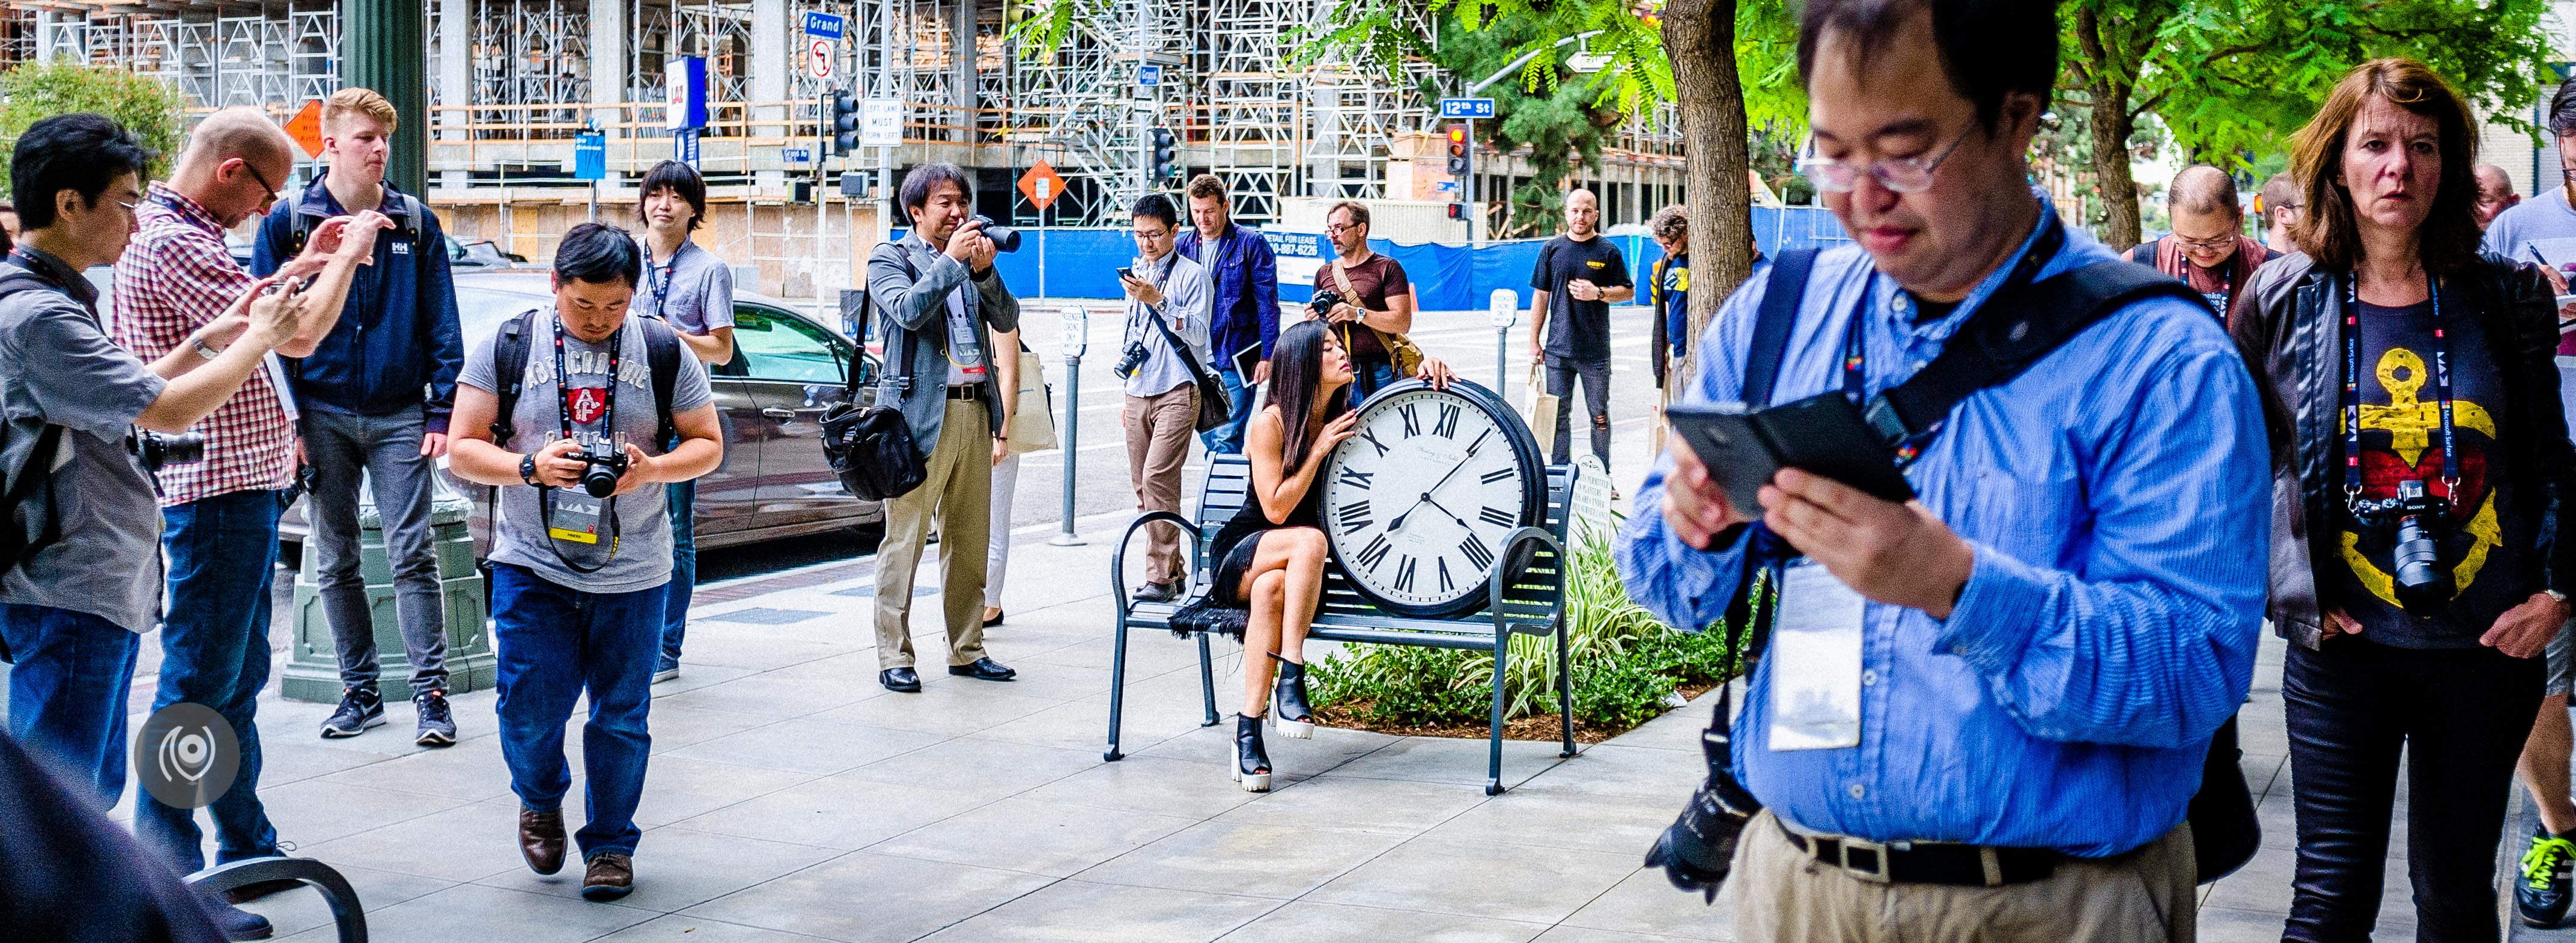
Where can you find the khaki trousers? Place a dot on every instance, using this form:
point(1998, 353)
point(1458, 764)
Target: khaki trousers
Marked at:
point(1783, 894)
point(1159, 430)
point(959, 491)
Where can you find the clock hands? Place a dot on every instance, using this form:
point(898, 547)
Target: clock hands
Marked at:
point(1453, 515)
point(1435, 486)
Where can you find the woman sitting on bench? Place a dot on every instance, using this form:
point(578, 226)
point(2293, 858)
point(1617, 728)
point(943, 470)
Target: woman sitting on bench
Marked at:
point(1271, 554)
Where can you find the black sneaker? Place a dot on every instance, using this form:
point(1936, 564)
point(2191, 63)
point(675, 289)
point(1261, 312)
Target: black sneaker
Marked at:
point(360, 708)
point(437, 727)
point(2542, 894)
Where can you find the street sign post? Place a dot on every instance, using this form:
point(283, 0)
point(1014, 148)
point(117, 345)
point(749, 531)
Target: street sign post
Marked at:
point(590, 164)
point(1041, 185)
point(824, 25)
point(796, 155)
point(684, 146)
point(881, 122)
point(684, 94)
point(819, 54)
point(1466, 108)
point(306, 128)
point(1149, 75)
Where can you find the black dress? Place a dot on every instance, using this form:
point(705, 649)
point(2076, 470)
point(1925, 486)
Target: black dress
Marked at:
point(1238, 543)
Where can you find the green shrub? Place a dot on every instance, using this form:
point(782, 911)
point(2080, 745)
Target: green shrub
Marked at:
point(1626, 664)
point(144, 105)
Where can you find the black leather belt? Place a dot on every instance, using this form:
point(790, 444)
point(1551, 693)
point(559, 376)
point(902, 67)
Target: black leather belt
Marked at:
point(1928, 862)
point(966, 391)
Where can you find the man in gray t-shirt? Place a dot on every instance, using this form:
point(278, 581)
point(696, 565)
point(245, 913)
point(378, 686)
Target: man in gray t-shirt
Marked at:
point(578, 580)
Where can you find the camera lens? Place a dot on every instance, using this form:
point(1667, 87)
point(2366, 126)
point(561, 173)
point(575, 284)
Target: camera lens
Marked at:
point(154, 450)
point(607, 465)
point(2423, 587)
point(1005, 238)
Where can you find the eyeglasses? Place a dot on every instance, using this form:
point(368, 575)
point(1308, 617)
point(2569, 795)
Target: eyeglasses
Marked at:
point(2212, 243)
point(264, 186)
point(1907, 175)
point(1334, 229)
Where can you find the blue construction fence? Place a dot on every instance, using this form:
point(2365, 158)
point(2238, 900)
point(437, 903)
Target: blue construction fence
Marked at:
point(1083, 263)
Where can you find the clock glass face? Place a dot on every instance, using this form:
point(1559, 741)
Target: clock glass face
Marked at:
point(1419, 500)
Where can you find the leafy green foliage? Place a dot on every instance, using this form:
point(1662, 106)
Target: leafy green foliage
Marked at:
point(1626, 665)
point(41, 90)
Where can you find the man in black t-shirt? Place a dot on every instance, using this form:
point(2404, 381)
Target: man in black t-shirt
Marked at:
point(1579, 276)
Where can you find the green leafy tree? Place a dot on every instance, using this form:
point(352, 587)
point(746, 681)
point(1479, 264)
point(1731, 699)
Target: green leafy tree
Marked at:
point(1558, 119)
point(2231, 78)
point(41, 90)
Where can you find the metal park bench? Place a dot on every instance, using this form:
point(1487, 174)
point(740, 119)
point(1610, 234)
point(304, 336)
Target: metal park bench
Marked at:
point(1527, 596)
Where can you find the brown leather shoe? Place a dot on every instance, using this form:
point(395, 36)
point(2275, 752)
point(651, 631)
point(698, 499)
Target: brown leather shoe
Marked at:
point(541, 840)
point(611, 876)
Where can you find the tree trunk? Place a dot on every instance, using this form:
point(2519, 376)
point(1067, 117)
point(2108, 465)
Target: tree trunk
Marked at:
point(1699, 37)
point(2112, 124)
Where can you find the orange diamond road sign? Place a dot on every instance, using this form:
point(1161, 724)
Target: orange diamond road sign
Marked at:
point(1041, 185)
point(306, 128)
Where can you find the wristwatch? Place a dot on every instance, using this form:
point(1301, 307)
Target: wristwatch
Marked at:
point(203, 350)
point(528, 468)
point(2554, 594)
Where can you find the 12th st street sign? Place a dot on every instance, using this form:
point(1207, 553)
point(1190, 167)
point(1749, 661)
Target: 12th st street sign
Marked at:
point(1466, 108)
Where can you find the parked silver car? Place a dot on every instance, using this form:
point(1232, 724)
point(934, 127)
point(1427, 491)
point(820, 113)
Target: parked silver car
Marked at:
point(787, 369)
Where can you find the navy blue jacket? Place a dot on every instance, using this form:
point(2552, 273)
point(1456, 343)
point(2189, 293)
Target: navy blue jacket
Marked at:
point(397, 344)
point(1247, 291)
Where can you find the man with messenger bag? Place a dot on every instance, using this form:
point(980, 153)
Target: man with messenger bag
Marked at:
point(1998, 500)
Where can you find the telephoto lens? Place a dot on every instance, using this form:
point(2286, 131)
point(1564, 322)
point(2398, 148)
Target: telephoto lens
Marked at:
point(154, 449)
point(1005, 238)
point(2423, 586)
point(607, 464)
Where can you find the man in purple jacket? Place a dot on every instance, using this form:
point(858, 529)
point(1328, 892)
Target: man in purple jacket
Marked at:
point(1247, 300)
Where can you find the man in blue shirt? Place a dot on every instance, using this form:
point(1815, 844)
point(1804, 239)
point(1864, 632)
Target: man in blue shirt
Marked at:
point(374, 399)
point(1246, 315)
point(2038, 650)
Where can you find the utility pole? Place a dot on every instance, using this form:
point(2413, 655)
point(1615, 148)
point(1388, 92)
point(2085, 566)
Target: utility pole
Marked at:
point(384, 46)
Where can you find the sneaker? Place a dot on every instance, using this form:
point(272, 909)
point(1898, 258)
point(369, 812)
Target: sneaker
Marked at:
point(437, 726)
point(236, 923)
point(666, 669)
point(360, 708)
point(2542, 894)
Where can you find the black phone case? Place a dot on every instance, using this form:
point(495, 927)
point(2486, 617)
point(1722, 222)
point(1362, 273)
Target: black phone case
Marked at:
point(1822, 434)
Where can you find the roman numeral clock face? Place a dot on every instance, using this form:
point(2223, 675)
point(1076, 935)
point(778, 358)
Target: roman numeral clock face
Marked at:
point(1417, 503)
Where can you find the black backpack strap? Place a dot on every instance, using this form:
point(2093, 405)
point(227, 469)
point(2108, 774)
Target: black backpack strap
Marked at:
point(1784, 288)
point(2013, 334)
point(662, 350)
point(510, 372)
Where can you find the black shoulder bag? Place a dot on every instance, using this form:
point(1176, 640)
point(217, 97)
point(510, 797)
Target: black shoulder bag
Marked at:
point(30, 451)
point(1215, 408)
point(871, 448)
point(2022, 324)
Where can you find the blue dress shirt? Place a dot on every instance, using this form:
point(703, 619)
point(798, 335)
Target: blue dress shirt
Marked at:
point(2118, 499)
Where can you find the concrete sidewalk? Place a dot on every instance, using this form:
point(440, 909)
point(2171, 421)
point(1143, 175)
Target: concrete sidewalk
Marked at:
point(792, 798)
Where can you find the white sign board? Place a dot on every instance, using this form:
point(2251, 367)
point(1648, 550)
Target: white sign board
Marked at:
point(881, 122)
point(1591, 500)
point(818, 58)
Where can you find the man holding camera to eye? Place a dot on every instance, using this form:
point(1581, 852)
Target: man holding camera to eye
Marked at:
point(71, 614)
point(939, 296)
point(1169, 297)
point(219, 515)
point(1983, 712)
point(582, 554)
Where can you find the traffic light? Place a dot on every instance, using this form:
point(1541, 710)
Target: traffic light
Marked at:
point(1166, 154)
point(845, 123)
point(1458, 153)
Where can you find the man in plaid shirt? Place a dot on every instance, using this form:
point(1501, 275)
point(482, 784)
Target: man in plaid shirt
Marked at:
point(219, 515)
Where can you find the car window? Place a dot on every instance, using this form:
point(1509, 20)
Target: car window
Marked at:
point(480, 311)
point(774, 345)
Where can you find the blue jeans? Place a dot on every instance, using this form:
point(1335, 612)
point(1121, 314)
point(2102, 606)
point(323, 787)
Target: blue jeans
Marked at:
point(555, 644)
point(67, 693)
point(684, 567)
point(214, 652)
point(1228, 439)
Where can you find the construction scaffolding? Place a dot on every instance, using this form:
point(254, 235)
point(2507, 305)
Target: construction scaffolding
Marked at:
point(514, 80)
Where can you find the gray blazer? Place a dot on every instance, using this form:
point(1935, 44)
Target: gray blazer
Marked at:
point(918, 308)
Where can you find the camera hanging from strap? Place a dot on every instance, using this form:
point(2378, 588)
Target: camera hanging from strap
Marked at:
point(608, 429)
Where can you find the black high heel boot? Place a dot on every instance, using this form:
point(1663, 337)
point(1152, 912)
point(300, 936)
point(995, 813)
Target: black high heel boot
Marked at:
point(1251, 762)
point(1288, 710)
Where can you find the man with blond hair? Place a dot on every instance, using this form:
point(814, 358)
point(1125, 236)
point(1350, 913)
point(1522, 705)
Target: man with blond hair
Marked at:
point(374, 397)
point(219, 515)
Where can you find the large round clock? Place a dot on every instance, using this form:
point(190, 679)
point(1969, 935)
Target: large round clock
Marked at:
point(1418, 501)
